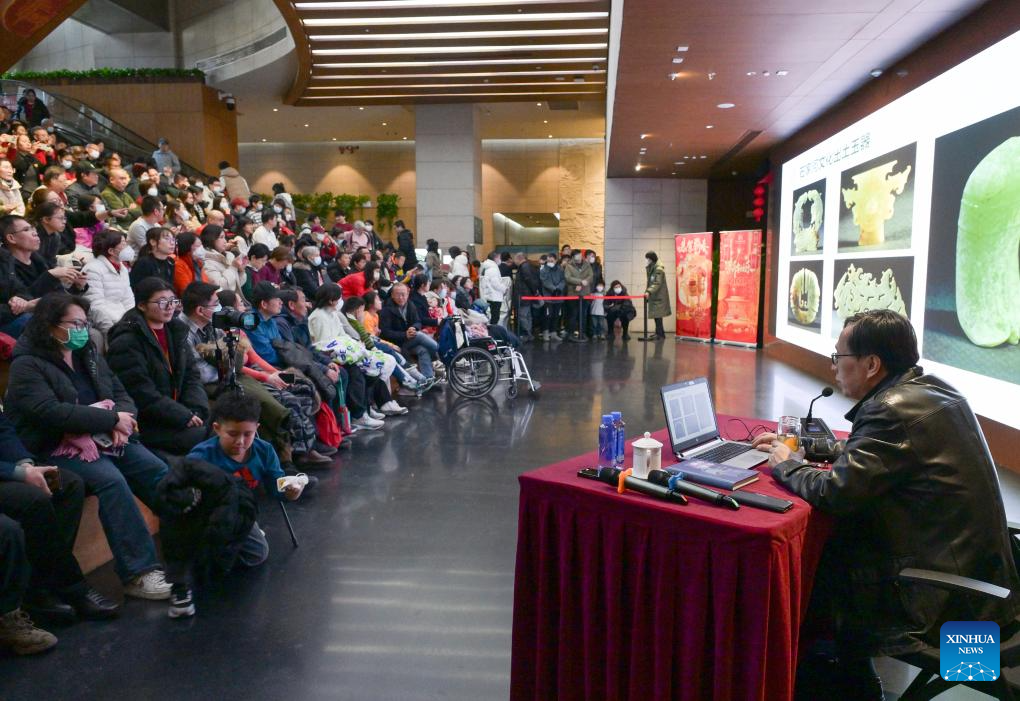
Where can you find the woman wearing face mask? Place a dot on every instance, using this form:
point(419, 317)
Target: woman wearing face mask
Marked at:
point(357, 284)
point(109, 292)
point(554, 284)
point(221, 267)
point(309, 272)
point(61, 388)
point(83, 235)
point(620, 309)
point(189, 264)
point(656, 293)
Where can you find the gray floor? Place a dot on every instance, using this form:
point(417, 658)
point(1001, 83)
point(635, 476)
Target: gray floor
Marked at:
point(402, 587)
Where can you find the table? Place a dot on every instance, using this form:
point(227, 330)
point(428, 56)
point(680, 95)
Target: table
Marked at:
point(627, 597)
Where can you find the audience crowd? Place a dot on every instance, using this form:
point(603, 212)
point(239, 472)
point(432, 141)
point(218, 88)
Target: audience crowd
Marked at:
point(181, 341)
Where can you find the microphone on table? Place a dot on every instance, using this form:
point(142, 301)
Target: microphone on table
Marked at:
point(611, 476)
point(678, 484)
point(816, 428)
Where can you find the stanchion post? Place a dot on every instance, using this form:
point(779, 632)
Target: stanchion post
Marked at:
point(580, 316)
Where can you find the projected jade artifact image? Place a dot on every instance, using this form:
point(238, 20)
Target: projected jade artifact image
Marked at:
point(806, 295)
point(871, 283)
point(808, 220)
point(877, 208)
point(988, 249)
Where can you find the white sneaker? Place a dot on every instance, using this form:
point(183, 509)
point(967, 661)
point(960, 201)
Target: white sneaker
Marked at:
point(151, 585)
point(391, 408)
point(377, 415)
point(367, 423)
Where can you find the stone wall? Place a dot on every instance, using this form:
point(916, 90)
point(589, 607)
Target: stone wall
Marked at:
point(582, 194)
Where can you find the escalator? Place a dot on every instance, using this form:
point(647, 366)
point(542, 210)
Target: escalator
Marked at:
point(77, 123)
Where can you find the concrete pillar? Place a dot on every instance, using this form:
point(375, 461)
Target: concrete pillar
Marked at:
point(448, 174)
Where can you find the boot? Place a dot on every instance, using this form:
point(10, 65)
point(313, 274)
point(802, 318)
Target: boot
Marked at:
point(23, 638)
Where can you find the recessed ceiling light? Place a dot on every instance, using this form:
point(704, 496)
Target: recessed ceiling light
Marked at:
point(485, 34)
point(710, 126)
point(672, 76)
point(538, 104)
point(549, 137)
point(637, 167)
point(876, 72)
point(678, 59)
point(405, 138)
point(384, 123)
point(306, 125)
point(682, 48)
point(703, 156)
point(361, 108)
point(752, 72)
point(545, 121)
point(465, 49)
point(782, 73)
point(452, 19)
point(765, 74)
point(725, 105)
point(276, 109)
point(645, 136)
point(334, 138)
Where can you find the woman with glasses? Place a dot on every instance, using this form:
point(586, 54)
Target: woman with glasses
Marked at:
point(109, 292)
point(150, 354)
point(64, 401)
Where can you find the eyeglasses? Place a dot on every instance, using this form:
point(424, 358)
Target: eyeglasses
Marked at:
point(25, 230)
point(836, 356)
point(76, 324)
point(168, 303)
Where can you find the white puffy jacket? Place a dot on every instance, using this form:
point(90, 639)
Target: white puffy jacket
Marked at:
point(492, 285)
point(109, 293)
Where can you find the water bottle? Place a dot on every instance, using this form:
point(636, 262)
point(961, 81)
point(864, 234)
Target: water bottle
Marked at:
point(607, 443)
point(619, 429)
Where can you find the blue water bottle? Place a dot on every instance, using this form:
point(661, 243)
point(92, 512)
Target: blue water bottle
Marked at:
point(620, 431)
point(607, 442)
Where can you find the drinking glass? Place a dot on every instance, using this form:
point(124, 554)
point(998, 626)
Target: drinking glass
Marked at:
point(788, 432)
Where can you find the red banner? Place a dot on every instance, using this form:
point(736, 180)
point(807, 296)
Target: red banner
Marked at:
point(739, 286)
point(694, 285)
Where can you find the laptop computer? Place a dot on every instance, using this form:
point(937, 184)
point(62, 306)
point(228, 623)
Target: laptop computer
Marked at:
point(694, 432)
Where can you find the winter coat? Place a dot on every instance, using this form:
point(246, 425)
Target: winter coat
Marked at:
point(42, 399)
point(109, 293)
point(658, 293)
point(187, 269)
point(393, 327)
point(421, 305)
point(26, 170)
point(10, 286)
point(76, 189)
point(492, 285)
point(620, 308)
point(579, 275)
point(114, 199)
point(150, 266)
point(460, 266)
point(57, 243)
point(913, 486)
point(308, 278)
point(354, 285)
point(35, 274)
point(529, 281)
point(434, 265)
point(405, 244)
point(554, 283)
point(234, 185)
point(220, 271)
point(167, 395)
point(32, 115)
point(11, 201)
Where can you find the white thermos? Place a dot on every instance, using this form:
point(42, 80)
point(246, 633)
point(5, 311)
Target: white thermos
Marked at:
point(647, 456)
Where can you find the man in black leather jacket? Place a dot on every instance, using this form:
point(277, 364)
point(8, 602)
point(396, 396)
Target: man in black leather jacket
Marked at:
point(913, 486)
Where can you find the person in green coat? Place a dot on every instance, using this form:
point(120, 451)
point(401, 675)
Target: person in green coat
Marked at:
point(657, 293)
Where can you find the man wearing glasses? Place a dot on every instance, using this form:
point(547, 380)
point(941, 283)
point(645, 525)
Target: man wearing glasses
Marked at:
point(16, 301)
point(913, 486)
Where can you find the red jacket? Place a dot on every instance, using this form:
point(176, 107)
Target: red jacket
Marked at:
point(354, 285)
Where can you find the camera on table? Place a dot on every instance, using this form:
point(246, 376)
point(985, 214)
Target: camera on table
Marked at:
point(228, 319)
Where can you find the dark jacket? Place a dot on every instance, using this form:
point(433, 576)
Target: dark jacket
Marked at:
point(421, 305)
point(393, 327)
point(34, 275)
point(461, 298)
point(913, 486)
point(52, 245)
point(308, 278)
point(150, 266)
point(10, 286)
point(167, 396)
point(42, 400)
point(12, 450)
point(296, 331)
point(405, 244)
point(528, 282)
point(335, 272)
point(76, 189)
point(658, 293)
point(32, 115)
point(619, 308)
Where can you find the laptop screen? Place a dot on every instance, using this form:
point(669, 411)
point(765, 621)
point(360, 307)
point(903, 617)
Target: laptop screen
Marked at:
point(690, 414)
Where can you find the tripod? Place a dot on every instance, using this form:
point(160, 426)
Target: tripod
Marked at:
point(231, 385)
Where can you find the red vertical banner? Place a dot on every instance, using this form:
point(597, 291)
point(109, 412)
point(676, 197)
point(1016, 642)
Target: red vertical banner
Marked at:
point(694, 286)
point(739, 287)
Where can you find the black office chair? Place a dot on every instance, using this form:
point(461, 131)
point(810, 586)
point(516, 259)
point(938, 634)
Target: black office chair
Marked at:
point(929, 682)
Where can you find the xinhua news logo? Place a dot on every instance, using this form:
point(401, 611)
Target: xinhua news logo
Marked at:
point(969, 651)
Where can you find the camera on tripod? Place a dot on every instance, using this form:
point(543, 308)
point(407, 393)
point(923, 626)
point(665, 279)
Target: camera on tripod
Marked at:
point(228, 319)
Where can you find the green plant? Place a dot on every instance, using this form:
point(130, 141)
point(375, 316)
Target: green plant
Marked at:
point(320, 203)
point(386, 208)
point(348, 204)
point(105, 74)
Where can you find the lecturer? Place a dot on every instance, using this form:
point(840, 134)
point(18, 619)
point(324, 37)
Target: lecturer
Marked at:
point(913, 486)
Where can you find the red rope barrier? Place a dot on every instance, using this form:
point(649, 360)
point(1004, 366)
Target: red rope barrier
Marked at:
point(560, 299)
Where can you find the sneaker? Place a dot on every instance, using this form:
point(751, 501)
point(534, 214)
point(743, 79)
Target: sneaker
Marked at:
point(409, 382)
point(391, 408)
point(23, 638)
point(324, 449)
point(151, 585)
point(182, 605)
point(367, 423)
point(377, 415)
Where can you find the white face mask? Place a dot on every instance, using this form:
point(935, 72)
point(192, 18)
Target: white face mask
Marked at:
point(258, 207)
point(375, 275)
point(591, 259)
point(224, 207)
point(551, 264)
point(100, 208)
point(648, 261)
point(317, 261)
point(320, 236)
point(277, 209)
point(199, 185)
point(126, 255)
point(289, 267)
point(93, 154)
point(153, 192)
point(199, 254)
point(368, 227)
point(600, 287)
point(67, 164)
point(617, 290)
point(184, 214)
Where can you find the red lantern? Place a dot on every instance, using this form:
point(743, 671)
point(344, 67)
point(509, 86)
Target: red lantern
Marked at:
point(758, 213)
point(759, 202)
point(759, 191)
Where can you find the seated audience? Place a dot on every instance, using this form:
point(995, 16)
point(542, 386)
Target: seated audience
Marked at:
point(61, 394)
point(258, 257)
point(222, 268)
point(119, 203)
point(155, 259)
point(339, 267)
point(20, 251)
point(150, 354)
point(309, 273)
point(11, 201)
point(86, 183)
point(278, 269)
point(266, 233)
point(109, 282)
point(399, 324)
point(354, 311)
point(56, 236)
point(358, 283)
point(16, 300)
point(188, 266)
point(151, 213)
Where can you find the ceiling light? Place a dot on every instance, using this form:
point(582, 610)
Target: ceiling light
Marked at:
point(545, 121)
point(334, 138)
point(725, 105)
point(549, 137)
point(392, 83)
point(638, 167)
point(672, 76)
point(645, 136)
point(275, 109)
point(752, 72)
point(263, 140)
point(306, 125)
point(431, 50)
point(528, 95)
point(678, 59)
point(384, 123)
point(876, 72)
point(391, 4)
point(490, 34)
point(711, 76)
point(452, 62)
point(481, 74)
point(710, 126)
point(682, 48)
point(386, 20)
point(765, 74)
point(538, 104)
point(703, 156)
point(405, 138)
point(781, 73)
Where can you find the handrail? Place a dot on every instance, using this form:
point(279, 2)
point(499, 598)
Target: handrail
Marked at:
point(72, 115)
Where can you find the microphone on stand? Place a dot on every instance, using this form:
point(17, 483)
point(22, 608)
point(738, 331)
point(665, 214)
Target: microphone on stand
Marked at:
point(816, 428)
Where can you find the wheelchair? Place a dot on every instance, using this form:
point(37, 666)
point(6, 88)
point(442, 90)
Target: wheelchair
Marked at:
point(475, 365)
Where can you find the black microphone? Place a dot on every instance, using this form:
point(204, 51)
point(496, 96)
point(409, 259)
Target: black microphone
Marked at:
point(816, 427)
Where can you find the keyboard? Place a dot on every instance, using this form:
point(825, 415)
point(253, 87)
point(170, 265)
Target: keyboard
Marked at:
point(723, 452)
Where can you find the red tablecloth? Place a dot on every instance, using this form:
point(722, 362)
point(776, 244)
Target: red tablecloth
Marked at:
point(627, 597)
